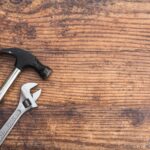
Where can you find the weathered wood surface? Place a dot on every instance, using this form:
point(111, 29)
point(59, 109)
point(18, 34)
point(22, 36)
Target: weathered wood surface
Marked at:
point(98, 97)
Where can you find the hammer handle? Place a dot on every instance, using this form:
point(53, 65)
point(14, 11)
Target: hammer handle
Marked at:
point(6, 85)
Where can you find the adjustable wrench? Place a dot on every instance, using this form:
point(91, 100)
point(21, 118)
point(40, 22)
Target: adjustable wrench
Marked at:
point(27, 102)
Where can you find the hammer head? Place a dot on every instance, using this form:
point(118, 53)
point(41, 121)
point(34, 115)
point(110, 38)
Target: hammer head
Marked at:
point(25, 59)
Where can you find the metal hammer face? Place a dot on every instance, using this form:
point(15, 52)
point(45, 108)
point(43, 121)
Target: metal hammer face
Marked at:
point(24, 59)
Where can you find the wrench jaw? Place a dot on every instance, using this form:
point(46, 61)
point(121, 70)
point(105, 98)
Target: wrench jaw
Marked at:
point(26, 88)
point(37, 94)
point(29, 97)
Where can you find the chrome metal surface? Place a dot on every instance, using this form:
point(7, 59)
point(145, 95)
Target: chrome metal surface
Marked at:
point(26, 95)
point(9, 82)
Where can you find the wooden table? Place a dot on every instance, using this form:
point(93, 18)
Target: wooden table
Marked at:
point(98, 97)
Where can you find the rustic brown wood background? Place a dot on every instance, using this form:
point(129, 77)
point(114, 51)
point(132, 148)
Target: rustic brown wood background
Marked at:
point(98, 97)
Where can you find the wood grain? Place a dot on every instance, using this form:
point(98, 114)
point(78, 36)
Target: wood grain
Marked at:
point(98, 97)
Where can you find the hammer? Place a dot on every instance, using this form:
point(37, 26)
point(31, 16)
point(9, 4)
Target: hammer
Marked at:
point(24, 59)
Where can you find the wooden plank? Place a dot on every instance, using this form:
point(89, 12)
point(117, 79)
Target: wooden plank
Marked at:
point(98, 95)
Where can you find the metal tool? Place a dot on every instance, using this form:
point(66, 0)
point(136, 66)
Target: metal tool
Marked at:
point(27, 102)
point(24, 59)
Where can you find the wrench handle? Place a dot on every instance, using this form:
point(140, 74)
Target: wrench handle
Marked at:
point(5, 130)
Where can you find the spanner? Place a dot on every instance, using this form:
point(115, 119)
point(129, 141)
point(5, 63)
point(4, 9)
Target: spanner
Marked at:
point(27, 102)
